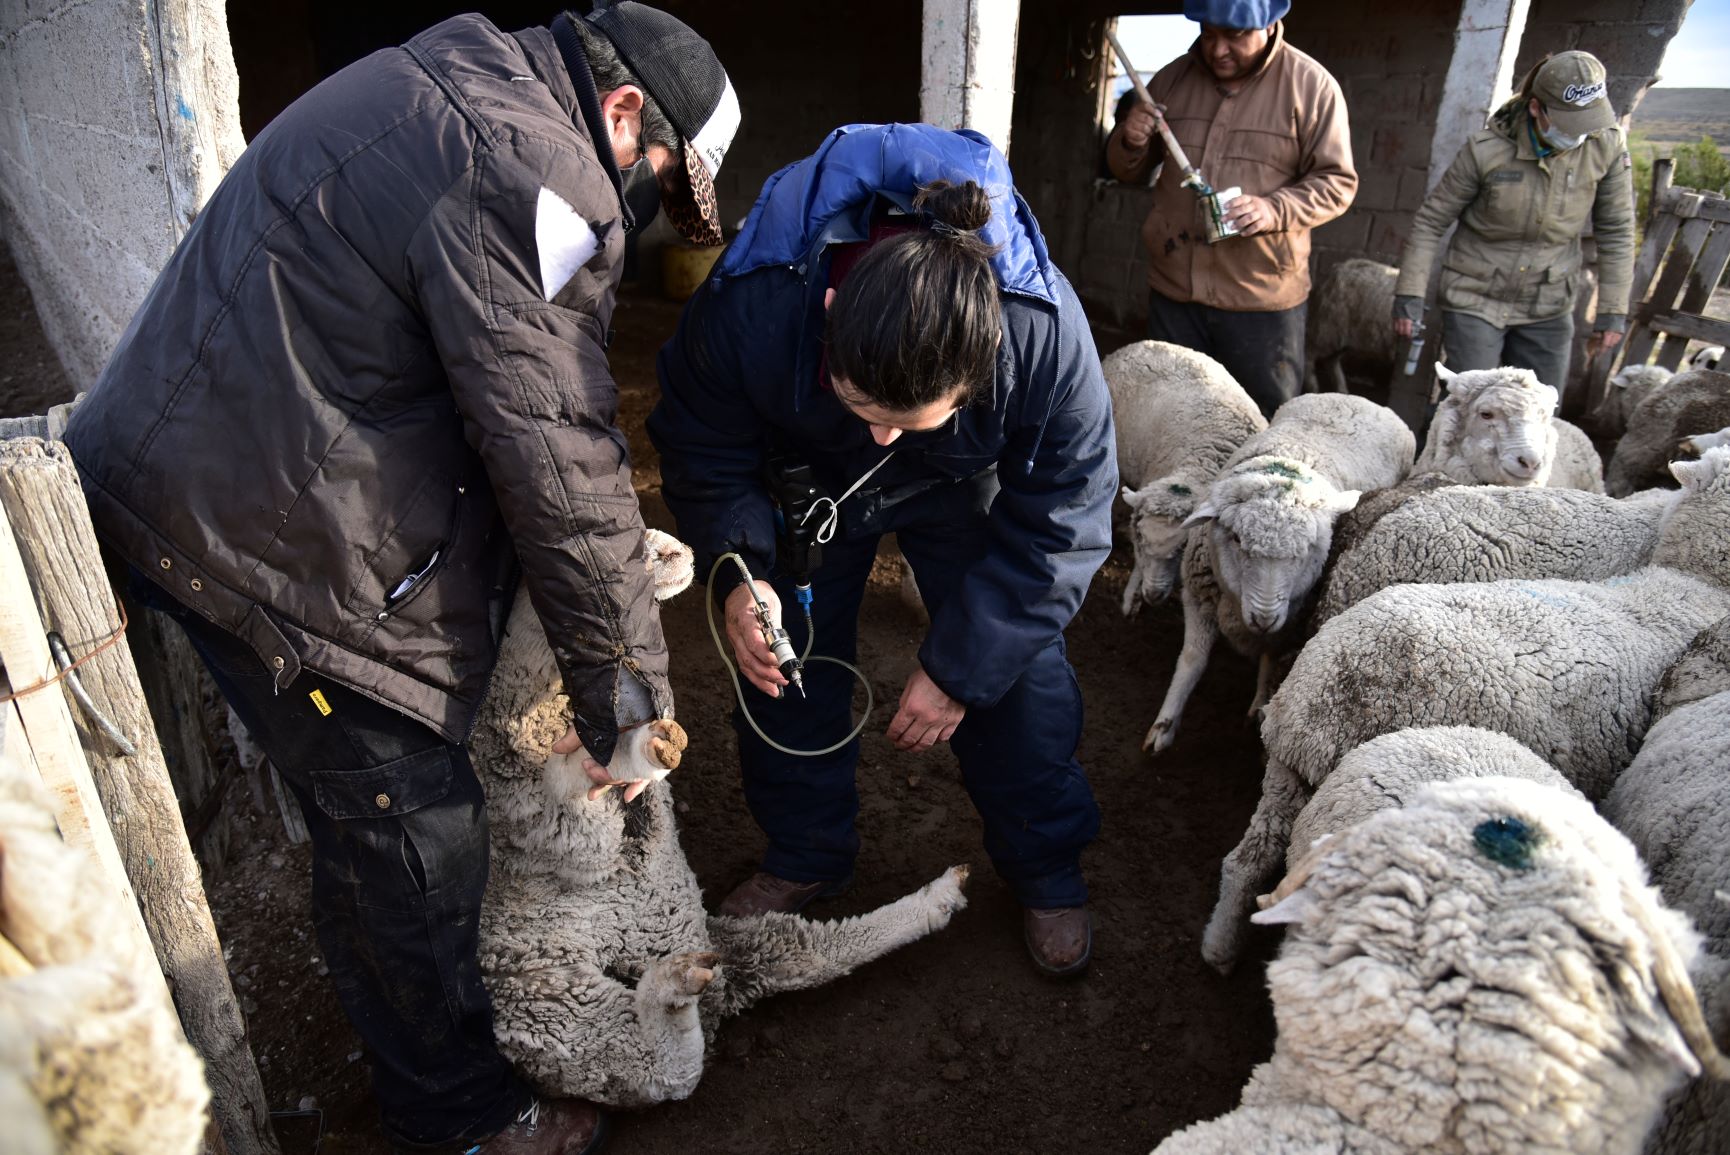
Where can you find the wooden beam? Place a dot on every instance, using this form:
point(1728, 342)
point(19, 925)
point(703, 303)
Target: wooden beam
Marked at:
point(41, 496)
point(1698, 328)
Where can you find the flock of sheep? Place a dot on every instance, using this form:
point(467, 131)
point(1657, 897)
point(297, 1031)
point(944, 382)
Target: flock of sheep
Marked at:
point(1461, 653)
point(1494, 702)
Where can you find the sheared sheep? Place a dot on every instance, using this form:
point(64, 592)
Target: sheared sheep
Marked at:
point(1484, 533)
point(1683, 406)
point(92, 1058)
point(1387, 772)
point(607, 977)
point(1349, 314)
point(1269, 521)
point(1673, 803)
point(1179, 416)
point(1484, 970)
point(1569, 669)
point(1498, 427)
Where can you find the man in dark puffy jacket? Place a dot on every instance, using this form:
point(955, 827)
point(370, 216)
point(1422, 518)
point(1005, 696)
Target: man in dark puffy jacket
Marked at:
point(371, 380)
point(999, 491)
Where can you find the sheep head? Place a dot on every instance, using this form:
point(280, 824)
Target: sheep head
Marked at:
point(1158, 510)
point(1695, 536)
point(1707, 358)
point(1494, 427)
point(1273, 521)
point(1486, 969)
point(1627, 389)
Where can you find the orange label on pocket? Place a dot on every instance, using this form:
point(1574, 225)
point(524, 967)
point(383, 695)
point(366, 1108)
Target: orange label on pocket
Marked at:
point(318, 700)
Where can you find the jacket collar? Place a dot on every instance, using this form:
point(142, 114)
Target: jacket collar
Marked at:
point(586, 113)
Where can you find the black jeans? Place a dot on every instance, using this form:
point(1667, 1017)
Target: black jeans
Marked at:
point(1264, 352)
point(399, 864)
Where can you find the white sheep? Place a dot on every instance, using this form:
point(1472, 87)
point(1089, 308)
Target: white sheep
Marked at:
point(1484, 970)
point(1569, 669)
point(1179, 416)
point(1687, 403)
point(1673, 803)
point(606, 975)
point(1702, 671)
point(1349, 314)
point(1498, 427)
point(1706, 357)
point(92, 1058)
point(1699, 443)
point(1261, 536)
point(1483, 533)
point(1387, 772)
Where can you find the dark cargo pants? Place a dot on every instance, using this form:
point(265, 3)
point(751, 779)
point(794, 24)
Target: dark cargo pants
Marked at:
point(1544, 347)
point(399, 864)
point(1017, 756)
point(1264, 352)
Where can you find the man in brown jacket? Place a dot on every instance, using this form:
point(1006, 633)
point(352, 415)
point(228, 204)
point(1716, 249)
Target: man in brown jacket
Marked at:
point(371, 381)
point(1255, 114)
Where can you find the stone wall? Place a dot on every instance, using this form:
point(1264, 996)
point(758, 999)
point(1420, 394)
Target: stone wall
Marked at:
point(117, 117)
point(1629, 36)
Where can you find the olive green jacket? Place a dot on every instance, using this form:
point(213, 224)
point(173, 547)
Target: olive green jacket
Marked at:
point(1515, 259)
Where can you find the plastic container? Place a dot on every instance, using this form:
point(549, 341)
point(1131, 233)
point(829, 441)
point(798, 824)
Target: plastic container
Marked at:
point(683, 267)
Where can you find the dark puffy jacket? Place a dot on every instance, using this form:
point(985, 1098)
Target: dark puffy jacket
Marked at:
point(349, 370)
point(742, 372)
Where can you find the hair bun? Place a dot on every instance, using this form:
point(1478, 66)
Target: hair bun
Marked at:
point(965, 207)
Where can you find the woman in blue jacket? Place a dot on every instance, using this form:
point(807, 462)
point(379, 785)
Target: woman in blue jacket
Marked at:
point(889, 318)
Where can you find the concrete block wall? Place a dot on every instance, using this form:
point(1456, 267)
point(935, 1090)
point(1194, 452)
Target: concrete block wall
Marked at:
point(116, 119)
point(1629, 36)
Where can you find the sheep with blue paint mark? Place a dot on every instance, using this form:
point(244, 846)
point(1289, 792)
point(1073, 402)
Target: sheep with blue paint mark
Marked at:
point(1484, 970)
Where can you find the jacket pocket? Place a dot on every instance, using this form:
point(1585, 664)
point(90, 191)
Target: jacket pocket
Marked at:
point(387, 791)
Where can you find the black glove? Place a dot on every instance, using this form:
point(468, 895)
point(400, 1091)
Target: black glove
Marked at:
point(1408, 308)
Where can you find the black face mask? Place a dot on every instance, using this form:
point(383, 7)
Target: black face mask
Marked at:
point(641, 193)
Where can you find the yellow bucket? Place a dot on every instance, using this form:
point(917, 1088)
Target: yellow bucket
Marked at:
point(683, 267)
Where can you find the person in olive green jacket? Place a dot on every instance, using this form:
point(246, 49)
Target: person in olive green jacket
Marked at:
point(1522, 189)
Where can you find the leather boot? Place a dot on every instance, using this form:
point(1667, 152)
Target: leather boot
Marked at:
point(1060, 940)
point(763, 893)
point(551, 1127)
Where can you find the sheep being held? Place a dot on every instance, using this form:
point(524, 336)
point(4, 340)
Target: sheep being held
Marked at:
point(1179, 416)
point(1569, 669)
point(1484, 970)
point(1261, 537)
point(606, 975)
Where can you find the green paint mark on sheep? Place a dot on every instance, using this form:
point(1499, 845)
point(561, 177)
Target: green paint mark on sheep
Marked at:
point(1508, 841)
point(1284, 469)
point(1180, 490)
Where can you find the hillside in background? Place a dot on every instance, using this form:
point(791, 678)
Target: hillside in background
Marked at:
point(1684, 115)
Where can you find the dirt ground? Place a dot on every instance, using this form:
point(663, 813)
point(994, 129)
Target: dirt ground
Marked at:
point(953, 1044)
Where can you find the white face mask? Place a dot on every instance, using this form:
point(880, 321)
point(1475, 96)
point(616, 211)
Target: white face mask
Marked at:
point(1558, 140)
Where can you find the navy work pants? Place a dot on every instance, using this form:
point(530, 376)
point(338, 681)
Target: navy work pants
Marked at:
point(1017, 756)
point(1264, 352)
point(399, 863)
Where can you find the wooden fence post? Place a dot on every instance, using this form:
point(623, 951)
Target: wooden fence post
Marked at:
point(40, 493)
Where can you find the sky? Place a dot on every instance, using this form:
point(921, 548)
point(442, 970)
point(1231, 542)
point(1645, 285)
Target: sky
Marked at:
point(1697, 58)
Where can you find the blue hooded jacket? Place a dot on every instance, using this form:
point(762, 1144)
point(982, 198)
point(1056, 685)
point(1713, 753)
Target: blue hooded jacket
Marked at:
point(742, 374)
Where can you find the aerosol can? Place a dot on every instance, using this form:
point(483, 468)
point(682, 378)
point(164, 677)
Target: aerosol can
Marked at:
point(1415, 348)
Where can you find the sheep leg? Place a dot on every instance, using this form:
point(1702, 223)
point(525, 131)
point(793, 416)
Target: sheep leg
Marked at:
point(576, 1030)
point(783, 952)
point(1263, 683)
point(1199, 632)
point(1253, 864)
point(1132, 591)
point(1337, 374)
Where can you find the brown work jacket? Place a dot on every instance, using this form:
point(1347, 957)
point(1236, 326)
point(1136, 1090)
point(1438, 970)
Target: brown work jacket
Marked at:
point(1283, 135)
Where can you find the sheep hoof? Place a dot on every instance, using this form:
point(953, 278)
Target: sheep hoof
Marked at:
point(691, 974)
point(667, 743)
point(1159, 736)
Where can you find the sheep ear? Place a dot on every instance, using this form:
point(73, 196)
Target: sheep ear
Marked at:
point(1343, 501)
point(1206, 511)
point(1131, 498)
point(1294, 908)
point(1694, 475)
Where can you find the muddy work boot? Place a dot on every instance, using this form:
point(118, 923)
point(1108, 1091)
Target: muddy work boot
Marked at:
point(764, 893)
point(1060, 940)
point(550, 1127)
